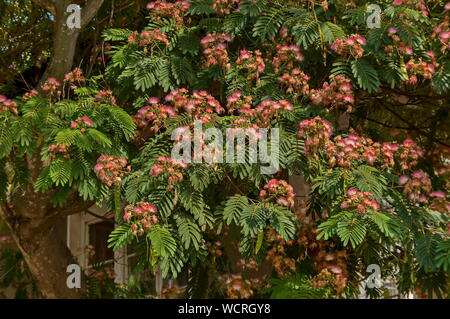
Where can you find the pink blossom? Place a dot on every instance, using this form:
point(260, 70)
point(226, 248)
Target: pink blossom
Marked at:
point(403, 179)
point(438, 194)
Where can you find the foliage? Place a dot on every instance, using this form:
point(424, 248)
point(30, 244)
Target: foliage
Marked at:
point(379, 183)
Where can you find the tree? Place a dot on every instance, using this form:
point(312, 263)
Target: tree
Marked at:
point(361, 114)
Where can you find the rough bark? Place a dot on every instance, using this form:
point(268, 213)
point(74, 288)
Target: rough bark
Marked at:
point(64, 38)
point(43, 245)
point(30, 216)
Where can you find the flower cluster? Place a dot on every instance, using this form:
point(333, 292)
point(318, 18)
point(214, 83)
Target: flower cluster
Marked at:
point(223, 7)
point(240, 102)
point(211, 153)
point(172, 292)
point(400, 46)
point(215, 249)
point(295, 82)
point(417, 186)
point(317, 133)
point(442, 33)
point(280, 191)
point(330, 262)
point(360, 201)
point(59, 149)
point(286, 56)
point(105, 96)
point(75, 78)
point(51, 87)
point(328, 278)
point(268, 109)
point(277, 254)
point(236, 287)
point(408, 154)
point(351, 46)
point(141, 217)
point(82, 123)
point(252, 62)
point(111, 169)
point(154, 114)
point(252, 129)
point(147, 39)
point(439, 203)
point(199, 103)
point(168, 166)
point(440, 157)
point(215, 49)
point(7, 105)
point(250, 264)
point(29, 95)
point(337, 94)
point(420, 4)
point(422, 68)
point(102, 275)
point(169, 10)
point(345, 150)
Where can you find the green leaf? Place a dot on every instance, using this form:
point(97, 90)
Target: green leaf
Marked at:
point(189, 230)
point(331, 31)
point(44, 181)
point(233, 209)
point(60, 171)
point(162, 241)
point(120, 237)
point(443, 255)
point(199, 7)
point(366, 75)
point(268, 23)
point(351, 230)
point(259, 241)
point(426, 251)
point(382, 222)
point(116, 34)
point(99, 137)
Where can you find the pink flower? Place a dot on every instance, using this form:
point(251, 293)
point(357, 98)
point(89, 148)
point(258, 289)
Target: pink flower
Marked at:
point(438, 194)
point(397, 2)
point(392, 31)
point(156, 170)
point(444, 35)
point(86, 120)
point(153, 100)
point(351, 191)
point(282, 201)
point(403, 179)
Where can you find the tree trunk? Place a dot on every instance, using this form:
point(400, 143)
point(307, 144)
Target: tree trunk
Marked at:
point(65, 39)
point(64, 45)
point(42, 243)
point(30, 216)
point(47, 257)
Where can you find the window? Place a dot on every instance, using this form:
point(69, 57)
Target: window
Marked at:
point(92, 228)
point(97, 237)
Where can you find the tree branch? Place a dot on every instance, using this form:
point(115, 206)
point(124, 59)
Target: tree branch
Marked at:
point(90, 11)
point(48, 5)
point(388, 125)
point(421, 131)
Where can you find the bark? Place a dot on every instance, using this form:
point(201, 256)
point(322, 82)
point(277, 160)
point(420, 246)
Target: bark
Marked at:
point(43, 246)
point(64, 38)
point(30, 216)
